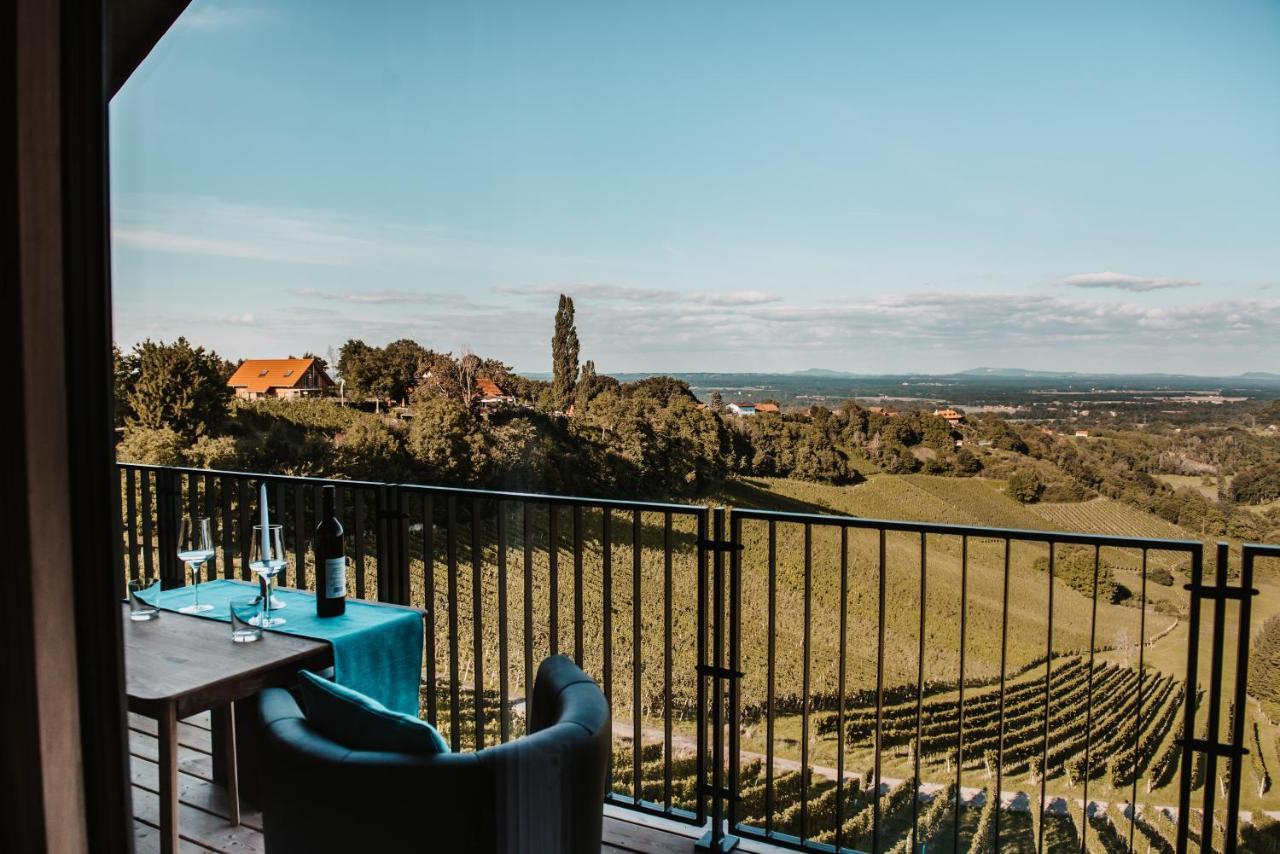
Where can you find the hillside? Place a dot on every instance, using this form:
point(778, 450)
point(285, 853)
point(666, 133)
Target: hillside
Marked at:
point(915, 497)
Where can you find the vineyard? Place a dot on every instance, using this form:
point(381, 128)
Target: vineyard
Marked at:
point(1113, 751)
point(1105, 516)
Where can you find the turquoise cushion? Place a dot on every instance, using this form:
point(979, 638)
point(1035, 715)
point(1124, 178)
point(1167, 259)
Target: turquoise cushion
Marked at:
point(362, 723)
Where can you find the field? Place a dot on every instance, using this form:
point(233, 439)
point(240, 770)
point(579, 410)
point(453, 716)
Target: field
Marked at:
point(1187, 481)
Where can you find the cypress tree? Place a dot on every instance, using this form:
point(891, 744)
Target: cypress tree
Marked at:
point(586, 387)
point(564, 355)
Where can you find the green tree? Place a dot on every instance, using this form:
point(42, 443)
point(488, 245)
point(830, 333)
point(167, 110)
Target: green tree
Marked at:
point(357, 364)
point(447, 441)
point(383, 373)
point(564, 355)
point(123, 369)
point(1025, 486)
point(177, 386)
point(371, 448)
point(213, 452)
point(586, 388)
point(157, 446)
point(1264, 666)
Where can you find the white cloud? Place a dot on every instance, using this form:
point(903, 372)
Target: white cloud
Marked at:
point(211, 227)
point(380, 297)
point(1126, 282)
point(617, 293)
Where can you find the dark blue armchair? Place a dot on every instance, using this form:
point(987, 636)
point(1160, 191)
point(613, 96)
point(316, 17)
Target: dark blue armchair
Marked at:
point(542, 792)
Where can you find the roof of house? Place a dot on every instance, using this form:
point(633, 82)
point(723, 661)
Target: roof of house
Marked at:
point(260, 375)
point(767, 407)
point(488, 388)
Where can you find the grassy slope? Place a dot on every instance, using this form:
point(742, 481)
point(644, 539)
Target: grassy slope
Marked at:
point(914, 497)
point(977, 502)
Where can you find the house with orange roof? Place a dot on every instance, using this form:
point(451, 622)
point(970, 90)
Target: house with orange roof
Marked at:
point(950, 415)
point(287, 378)
point(491, 394)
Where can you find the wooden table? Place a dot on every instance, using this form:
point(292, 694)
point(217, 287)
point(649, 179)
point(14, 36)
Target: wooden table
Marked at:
point(178, 665)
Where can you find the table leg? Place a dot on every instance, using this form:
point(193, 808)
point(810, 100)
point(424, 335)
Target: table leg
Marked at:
point(229, 761)
point(167, 735)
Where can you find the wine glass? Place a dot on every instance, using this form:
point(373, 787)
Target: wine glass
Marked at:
point(195, 549)
point(267, 559)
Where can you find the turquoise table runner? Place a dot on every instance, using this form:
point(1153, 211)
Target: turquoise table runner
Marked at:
point(377, 650)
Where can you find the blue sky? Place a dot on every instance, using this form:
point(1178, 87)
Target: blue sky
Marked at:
point(872, 187)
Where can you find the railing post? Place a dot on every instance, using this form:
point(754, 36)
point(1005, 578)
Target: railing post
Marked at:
point(392, 554)
point(1189, 708)
point(715, 839)
point(168, 512)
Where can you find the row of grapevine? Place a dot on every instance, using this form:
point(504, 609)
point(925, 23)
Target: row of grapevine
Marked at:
point(860, 826)
point(1027, 722)
point(898, 721)
point(1105, 837)
point(1112, 736)
point(984, 837)
point(931, 822)
point(1259, 763)
point(1155, 838)
point(1129, 763)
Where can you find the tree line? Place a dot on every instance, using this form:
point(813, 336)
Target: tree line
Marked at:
point(587, 433)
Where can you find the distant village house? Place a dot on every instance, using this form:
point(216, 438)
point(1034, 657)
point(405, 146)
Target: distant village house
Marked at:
point(741, 409)
point(286, 378)
point(950, 415)
point(491, 395)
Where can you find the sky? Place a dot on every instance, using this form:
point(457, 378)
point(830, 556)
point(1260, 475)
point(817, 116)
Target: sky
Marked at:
point(874, 187)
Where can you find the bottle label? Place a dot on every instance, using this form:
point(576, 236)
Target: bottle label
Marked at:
point(335, 577)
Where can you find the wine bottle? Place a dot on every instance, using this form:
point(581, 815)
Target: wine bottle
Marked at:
point(331, 561)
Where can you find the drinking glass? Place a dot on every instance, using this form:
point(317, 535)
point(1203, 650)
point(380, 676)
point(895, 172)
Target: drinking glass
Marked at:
point(244, 613)
point(195, 549)
point(140, 610)
point(267, 559)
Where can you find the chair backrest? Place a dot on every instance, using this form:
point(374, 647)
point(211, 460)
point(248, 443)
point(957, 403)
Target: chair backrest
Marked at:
point(542, 792)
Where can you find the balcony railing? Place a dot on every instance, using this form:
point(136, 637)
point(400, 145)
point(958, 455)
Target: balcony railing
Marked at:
point(819, 682)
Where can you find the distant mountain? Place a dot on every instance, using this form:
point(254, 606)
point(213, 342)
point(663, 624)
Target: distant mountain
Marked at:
point(1259, 375)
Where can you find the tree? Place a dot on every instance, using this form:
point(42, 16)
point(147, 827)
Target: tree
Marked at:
point(177, 386)
point(357, 363)
point(123, 369)
point(400, 368)
point(157, 446)
point(586, 387)
point(564, 355)
point(1025, 486)
point(1264, 666)
point(447, 441)
point(385, 373)
point(717, 402)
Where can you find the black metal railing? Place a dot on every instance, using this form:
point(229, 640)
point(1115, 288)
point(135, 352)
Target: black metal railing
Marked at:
point(818, 682)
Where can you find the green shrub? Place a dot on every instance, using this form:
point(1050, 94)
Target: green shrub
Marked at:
point(1075, 568)
point(1025, 486)
point(157, 446)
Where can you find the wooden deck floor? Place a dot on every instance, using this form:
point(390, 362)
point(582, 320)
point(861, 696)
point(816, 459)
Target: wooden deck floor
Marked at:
point(203, 805)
